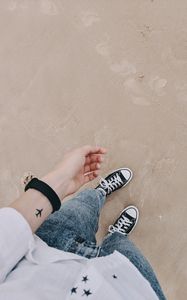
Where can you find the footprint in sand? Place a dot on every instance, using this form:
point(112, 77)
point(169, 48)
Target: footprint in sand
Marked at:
point(103, 49)
point(158, 84)
point(135, 91)
point(123, 68)
point(89, 18)
point(48, 7)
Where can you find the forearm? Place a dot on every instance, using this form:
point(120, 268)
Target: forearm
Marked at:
point(77, 168)
point(34, 206)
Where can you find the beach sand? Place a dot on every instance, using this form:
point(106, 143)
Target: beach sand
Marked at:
point(110, 73)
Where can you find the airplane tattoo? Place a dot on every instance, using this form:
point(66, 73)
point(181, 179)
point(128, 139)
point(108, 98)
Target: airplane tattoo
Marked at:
point(38, 212)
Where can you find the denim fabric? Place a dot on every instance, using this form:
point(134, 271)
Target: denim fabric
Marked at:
point(73, 229)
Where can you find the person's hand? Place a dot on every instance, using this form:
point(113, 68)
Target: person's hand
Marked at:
point(77, 168)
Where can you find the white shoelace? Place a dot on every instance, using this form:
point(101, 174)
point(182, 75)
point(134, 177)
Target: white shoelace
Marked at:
point(122, 225)
point(111, 184)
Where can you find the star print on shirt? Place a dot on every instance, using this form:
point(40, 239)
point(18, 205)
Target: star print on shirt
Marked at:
point(85, 279)
point(87, 293)
point(74, 290)
point(114, 276)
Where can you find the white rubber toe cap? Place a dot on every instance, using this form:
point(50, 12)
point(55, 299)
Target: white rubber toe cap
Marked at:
point(127, 173)
point(132, 211)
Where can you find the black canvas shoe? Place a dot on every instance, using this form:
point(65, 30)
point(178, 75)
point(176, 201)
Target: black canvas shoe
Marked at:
point(116, 180)
point(126, 221)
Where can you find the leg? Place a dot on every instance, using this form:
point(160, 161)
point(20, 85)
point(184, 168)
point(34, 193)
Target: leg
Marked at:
point(117, 241)
point(77, 219)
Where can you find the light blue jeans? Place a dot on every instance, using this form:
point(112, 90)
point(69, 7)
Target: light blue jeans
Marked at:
point(73, 229)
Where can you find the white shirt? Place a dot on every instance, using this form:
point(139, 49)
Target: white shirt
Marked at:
point(30, 269)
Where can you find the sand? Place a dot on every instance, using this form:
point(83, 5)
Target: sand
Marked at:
point(110, 73)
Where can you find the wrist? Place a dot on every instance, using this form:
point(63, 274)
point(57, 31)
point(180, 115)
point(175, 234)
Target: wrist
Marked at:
point(58, 182)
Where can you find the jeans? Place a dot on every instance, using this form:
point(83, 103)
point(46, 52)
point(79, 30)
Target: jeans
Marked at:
point(73, 229)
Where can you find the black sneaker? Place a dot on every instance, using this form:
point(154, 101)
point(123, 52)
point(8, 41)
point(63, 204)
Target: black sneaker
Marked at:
point(126, 221)
point(116, 180)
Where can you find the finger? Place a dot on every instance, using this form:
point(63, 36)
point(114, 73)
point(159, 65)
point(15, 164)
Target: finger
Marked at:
point(93, 150)
point(92, 167)
point(94, 158)
point(91, 176)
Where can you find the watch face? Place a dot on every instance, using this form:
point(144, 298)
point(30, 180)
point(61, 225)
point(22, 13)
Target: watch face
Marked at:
point(27, 177)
